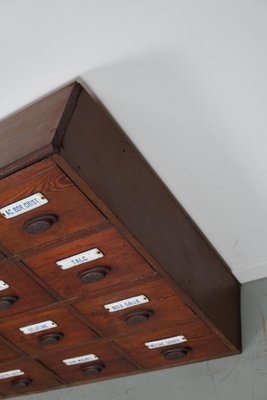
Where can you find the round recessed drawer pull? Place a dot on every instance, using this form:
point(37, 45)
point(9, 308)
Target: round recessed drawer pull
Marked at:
point(175, 354)
point(137, 317)
point(92, 370)
point(21, 383)
point(94, 274)
point(40, 224)
point(50, 338)
point(7, 301)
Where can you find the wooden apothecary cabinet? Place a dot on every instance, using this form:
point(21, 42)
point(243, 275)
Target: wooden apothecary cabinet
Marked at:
point(102, 272)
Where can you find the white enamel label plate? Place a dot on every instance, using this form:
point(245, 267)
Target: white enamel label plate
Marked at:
point(10, 374)
point(41, 326)
point(165, 342)
point(126, 303)
point(81, 258)
point(22, 206)
point(80, 360)
point(3, 285)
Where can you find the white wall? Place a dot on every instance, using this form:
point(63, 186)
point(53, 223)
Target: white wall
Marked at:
point(187, 81)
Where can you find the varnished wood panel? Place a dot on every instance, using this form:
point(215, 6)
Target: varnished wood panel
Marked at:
point(27, 293)
point(39, 377)
point(135, 194)
point(7, 353)
point(73, 211)
point(163, 309)
point(34, 132)
point(202, 342)
point(123, 262)
point(72, 330)
point(109, 359)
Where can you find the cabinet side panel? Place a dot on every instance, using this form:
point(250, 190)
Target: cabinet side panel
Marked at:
point(97, 149)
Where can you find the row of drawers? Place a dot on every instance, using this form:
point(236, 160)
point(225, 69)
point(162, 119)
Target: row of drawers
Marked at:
point(102, 359)
point(119, 264)
point(139, 307)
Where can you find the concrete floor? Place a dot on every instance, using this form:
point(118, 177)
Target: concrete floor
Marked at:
point(242, 377)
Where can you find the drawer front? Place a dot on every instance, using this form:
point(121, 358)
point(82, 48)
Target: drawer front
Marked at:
point(145, 305)
point(28, 376)
point(66, 211)
point(18, 292)
point(46, 330)
point(120, 263)
point(201, 344)
point(87, 362)
point(6, 352)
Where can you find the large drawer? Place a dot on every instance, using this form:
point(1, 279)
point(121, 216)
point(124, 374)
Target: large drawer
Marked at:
point(166, 350)
point(145, 305)
point(66, 211)
point(87, 362)
point(7, 353)
point(48, 329)
point(120, 263)
point(18, 292)
point(22, 376)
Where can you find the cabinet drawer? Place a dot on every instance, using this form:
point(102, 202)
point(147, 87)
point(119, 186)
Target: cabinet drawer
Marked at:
point(120, 263)
point(201, 344)
point(28, 376)
point(18, 292)
point(161, 307)
point(72, 365)
point(6, 352)
point(66, 211)
point(56, 329)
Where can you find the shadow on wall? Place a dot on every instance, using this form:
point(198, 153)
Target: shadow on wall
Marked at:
point(176, 119)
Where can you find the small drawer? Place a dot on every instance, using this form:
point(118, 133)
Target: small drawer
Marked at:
point(167, 347)
point(18, 292)
point(7, 353)
point(66, 211)
point(87, 362)
point(119, 262)
point(22, 376)
point(145, 305)
point(46, 330)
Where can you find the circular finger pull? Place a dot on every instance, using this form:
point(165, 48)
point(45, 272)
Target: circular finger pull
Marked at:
point(175, 354)
point(92, 370)
point(50, 338)
point(137, 317)
point(40, 224)
point(94, 274)
point(21, 383)
point(7, 301)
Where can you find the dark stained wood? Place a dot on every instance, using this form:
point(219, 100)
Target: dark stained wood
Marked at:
point(7, 353)
point(28, 293)
point(41, 377)
point(74, 331)
point(166, 307)
point(106, 353)
point(97, 149)
point(73, 210)
point(33, 133)
point(123, 262)
point(201, 340)
point(104, 195)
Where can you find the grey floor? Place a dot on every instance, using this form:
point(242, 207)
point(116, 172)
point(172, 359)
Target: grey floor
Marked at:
point(242, 377)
